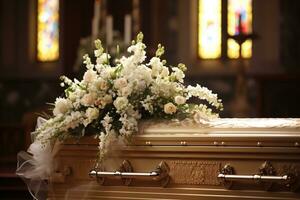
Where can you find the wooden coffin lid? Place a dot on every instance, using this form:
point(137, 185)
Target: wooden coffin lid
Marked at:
point(253, 132)
point(224, 132)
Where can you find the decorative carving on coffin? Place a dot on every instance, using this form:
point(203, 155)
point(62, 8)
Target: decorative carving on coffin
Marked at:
point(267, 169)
point(293, 171)
point(194, 172)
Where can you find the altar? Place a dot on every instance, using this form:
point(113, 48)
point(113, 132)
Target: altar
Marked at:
point(226, 158)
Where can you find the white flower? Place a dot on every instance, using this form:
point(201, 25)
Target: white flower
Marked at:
point(97, 53)
point(62, 106)
point(147, 103)
point(204, 94)
point(88, 99)
point(127, 64)
point(179, 100)
point(144, 73)
point(139, 55)
point(87, 62)
point(164, 72)
point(106, 123)
point(120, 103)
point(99, 67)
point(126, 91)
point(103, 101)
point(91, 114)
point(101, 84)
point(106, 72)
point(179, 75)
point(165, 88)
point(89, 76)
point(73, 120)
point(156, 65)
point(104, 58)
point(77, 94)
point(170, 108)
point(120, 83)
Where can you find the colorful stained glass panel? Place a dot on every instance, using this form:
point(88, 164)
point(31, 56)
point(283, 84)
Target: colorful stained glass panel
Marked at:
point(48, 30)
point(209, 29)
point(239, 14)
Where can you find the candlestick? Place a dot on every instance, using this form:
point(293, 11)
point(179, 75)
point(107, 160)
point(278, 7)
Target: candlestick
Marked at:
point(127, 29)
point(109, 30)
point(96, 19)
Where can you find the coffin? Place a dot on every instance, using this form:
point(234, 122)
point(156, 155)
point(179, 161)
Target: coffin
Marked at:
point(224, 159)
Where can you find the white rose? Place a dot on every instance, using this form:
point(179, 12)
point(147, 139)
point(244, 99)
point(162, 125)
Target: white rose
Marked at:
point(88, 99)
point(120, 83)
point(180, 100)
point(101, 84)
point(126, 91)
point(89, 76)
point(170, 108)
point(120, 103)
point(62, 106)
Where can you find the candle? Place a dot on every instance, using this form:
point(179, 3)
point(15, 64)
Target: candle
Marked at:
point(127, 29)
point(96, 19)
point(109, 30)
point(240, 27)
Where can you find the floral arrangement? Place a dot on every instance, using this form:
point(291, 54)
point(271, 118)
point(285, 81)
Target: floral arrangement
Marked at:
point(111, 98)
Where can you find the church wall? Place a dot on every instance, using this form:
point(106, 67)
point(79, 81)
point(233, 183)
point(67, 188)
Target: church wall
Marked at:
point(172, 22)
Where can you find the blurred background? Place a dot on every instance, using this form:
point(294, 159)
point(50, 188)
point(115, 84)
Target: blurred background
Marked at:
point(247, 51)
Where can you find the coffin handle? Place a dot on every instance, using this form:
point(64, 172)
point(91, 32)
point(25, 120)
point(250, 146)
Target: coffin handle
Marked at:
point(266, 177)
point(125, 172)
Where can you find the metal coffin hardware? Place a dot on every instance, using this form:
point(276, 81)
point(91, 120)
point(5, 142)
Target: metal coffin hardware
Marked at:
point(125, 172)
point(267, 176)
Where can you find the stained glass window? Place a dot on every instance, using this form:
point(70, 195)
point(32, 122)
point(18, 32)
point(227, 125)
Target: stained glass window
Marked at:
point(48, 30)
point(239, 12)
point(209, 29)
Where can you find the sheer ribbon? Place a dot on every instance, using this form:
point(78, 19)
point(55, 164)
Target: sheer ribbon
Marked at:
point(36, 165)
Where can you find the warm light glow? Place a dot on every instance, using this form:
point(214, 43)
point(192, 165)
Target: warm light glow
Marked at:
point(209, 29)
point(235, 9)
point(47, 30)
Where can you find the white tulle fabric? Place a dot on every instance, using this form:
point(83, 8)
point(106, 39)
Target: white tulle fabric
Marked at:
point(35, 165)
